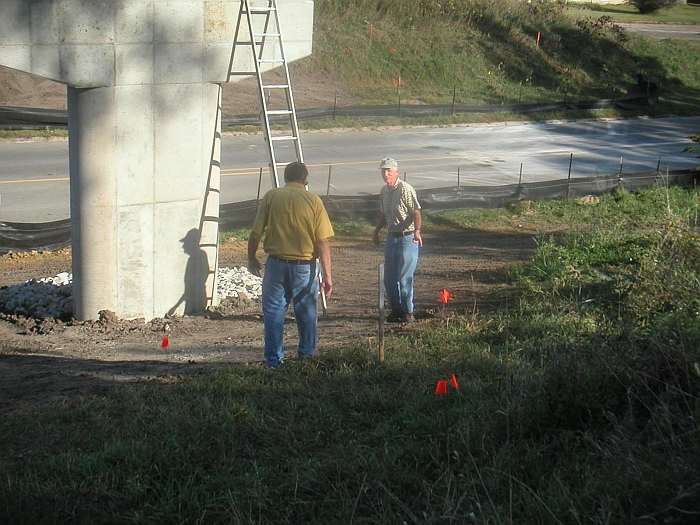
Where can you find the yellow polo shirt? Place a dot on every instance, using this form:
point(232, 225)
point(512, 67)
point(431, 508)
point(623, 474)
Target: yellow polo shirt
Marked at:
point(292, 219)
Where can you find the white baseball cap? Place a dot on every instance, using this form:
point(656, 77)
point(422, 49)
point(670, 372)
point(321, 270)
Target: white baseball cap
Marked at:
point(388, 163)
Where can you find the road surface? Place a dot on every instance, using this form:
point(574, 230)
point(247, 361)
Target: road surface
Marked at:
point(34, 183)
point(662, 31)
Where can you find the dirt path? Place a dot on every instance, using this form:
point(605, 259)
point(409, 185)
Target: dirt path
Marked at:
point(40, 361)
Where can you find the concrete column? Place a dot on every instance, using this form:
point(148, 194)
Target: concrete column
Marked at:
point(143, 163)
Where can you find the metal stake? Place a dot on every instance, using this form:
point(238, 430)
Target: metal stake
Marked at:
point(328, 186)
point(257, 199)
point(458, 183)
point(381, 313)
point(568, 180)
point(398, 91)
point(520, 179)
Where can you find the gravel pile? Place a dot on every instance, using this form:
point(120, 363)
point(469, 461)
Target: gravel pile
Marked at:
point(48, 297)
point(233, 282)
point(52, 296)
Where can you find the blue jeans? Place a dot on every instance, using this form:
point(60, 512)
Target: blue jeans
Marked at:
point(400, 260)
point(286, 283)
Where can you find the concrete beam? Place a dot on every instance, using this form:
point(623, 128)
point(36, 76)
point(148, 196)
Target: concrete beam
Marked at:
point(96, 43)
point(144, 103)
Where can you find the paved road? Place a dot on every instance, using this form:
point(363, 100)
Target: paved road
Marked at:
point(661, 31)
point(34, 185)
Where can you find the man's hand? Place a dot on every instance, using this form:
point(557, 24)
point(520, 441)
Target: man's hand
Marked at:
point(418, 238)
point(254, 266)
point(327, 287)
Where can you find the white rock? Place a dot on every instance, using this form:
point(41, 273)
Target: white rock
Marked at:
point(52, 296)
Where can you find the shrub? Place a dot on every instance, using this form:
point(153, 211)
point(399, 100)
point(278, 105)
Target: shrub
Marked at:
point(649, 6)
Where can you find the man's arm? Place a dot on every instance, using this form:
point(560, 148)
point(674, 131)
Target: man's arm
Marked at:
point(323, 250)
point(253, 263)
point(418, 222)
point(381, 222)
point(259, 227)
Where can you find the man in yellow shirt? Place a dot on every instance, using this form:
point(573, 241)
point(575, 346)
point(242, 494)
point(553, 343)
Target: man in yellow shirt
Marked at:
point(297, 232)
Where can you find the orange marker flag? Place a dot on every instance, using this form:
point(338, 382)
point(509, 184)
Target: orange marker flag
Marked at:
point(441, 387)
point(454, 382)
point(445, 296)
point(165, 343)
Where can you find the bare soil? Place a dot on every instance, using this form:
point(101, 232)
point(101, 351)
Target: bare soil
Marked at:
point(311, 89)
point(46, 359)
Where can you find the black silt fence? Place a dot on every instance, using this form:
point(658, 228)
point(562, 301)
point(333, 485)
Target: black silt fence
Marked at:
point(54, 235)
point(29, 118)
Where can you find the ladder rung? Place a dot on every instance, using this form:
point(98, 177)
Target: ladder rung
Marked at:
point(255, 35)
point(284, 137)
point(260, 10)
point(243, 73)
point(279, 112)
point(276, 86)
point(271, 61)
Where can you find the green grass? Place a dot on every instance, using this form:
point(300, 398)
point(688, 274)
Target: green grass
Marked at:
point(677, 14)
point(15, 134)
point(235, 234)
point(619, 210)
point(579, 404)
point(487, 50)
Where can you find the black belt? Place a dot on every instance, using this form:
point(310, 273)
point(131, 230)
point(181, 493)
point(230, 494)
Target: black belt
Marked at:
point(401, 234)
point(292, 261)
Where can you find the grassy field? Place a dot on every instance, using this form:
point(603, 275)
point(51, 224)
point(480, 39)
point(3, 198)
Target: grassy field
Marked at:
point(677, 14)
point(578, 403)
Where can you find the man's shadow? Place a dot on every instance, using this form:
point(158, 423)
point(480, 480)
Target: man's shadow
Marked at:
point(196, 273)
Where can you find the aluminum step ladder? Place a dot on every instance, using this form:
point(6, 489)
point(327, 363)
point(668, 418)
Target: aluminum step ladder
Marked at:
point(265, 14)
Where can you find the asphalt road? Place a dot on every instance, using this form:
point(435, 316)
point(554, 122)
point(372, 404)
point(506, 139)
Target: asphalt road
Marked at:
point(661, 31)
point(34, 183)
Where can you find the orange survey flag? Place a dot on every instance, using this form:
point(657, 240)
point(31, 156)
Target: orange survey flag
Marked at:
point(165, 343)
point(445, 296)
point(441, 387)
point(454, 382)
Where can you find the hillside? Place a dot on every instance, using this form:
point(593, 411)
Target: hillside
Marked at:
point(475, 50)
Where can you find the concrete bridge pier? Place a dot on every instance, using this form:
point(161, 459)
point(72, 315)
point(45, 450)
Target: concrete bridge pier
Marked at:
point(144, 161)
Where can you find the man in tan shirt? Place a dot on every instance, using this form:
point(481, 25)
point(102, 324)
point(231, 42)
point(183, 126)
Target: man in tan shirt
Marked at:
point(400, 213)
point(297, 232)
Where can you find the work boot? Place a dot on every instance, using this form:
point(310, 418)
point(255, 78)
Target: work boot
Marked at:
point(408, 318)
point(394, 317)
